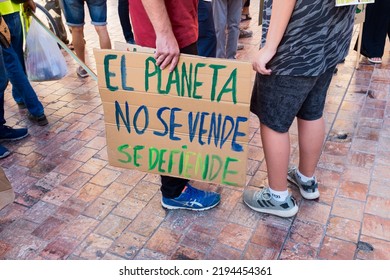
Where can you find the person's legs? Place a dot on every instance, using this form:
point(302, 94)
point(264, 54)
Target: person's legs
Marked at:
point(78, 41)
point(177, 193)
point(3, 86)
point(98, 13)
point(207, 42)
point(124, 18)
point(22, 90)
point(233, 23)
point(6, 132)
point(276, 148)
point(311, 136)
point(104, 38)
point(375, 29)
point(220, 21)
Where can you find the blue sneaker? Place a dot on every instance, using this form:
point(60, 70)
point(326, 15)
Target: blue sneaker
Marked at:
point(9, 133)
point(192, 199)
point(4, 152)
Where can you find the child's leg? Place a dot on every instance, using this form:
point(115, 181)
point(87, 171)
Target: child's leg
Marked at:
point(311, 136)
point(276, 148)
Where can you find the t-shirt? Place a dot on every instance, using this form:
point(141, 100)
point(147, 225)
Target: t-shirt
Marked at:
point(184, 20)
point(317, 37)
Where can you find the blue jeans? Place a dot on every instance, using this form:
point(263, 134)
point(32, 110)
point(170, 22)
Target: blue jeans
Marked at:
point(3, 86)
point(124, 18)
point(22, 91)
point(74, 12)
point(207, 41)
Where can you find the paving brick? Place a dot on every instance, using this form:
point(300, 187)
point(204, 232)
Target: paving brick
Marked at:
point(100, 208)
point(353, 190)
point(49, 229)
point(348, 208)
point(345, 229)
point(298, 251)
point(112, 226)
point(59, 249)
point(184, 253)
point(256, 252)
point(312, 211)
point(128, 245)
point(235, 236)
point(94, 247)
point(223, 252)
point(375, 226)
point(335, 249)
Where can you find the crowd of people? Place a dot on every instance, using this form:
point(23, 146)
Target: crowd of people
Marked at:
point(294, 67)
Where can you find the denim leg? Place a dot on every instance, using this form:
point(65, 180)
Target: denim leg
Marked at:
point(3, 86)
point(207, 42)
point(233, 23)
point(124, 18)
point(220, 14)
point(22, 90)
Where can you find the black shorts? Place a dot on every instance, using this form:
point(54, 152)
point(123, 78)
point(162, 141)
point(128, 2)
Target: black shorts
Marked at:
point(277, 99)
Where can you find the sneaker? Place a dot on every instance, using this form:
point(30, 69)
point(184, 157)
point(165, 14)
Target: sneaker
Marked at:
point(4, 152)
point(308, 190)
point(40, 120)
point(245, 33)
point(9, 133)
point(81, 72)
point(240, 46)
point(192, 199)
point(262, 201)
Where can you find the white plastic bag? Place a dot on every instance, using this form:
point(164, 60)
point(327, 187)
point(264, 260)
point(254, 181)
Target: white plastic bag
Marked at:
point(44, 60)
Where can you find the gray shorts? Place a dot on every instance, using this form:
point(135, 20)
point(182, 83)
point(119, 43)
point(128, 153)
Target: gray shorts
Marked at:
point(277, 99)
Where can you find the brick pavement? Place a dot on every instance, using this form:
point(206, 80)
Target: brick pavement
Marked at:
point(71, 204)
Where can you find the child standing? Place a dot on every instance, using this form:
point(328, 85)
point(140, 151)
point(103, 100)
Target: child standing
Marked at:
point(303, 41)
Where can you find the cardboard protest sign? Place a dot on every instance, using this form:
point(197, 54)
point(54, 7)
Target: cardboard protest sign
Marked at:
point(352, 2)
point(191, 123)
point(360, 14)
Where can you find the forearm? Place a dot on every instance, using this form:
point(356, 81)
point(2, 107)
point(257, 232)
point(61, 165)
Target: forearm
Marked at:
point(158, 15)
point(280, 16)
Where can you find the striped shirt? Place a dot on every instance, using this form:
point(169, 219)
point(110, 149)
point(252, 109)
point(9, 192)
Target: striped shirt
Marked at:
point(317, 37)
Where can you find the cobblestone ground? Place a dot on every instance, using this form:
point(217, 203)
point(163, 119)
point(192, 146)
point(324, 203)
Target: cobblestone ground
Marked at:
point(71, 204)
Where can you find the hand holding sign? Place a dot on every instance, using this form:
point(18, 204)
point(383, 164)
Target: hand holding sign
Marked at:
point(167, 51)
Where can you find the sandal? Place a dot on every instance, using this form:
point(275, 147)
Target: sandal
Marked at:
point(245, 17)
point(375, 60)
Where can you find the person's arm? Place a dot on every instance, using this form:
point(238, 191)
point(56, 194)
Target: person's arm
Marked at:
point(280, 16)
point(167, 48)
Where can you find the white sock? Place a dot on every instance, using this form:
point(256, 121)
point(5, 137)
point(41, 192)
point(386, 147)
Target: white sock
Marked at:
point(278, 195)
point(305, 179)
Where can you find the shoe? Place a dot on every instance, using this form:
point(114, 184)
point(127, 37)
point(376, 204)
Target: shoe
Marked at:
point(245, 17)
point(4, 152)
point(240, 46)
point(81, 72)
point(192, 199)
point(375, 60)
point(262, 201)
point(7, 195)
point(9, 133)
point(40, 120)
point(21, 105)
point(308, 190)
point(245, 33)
